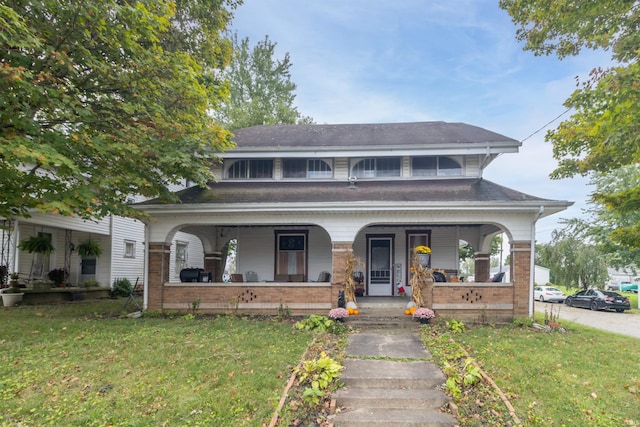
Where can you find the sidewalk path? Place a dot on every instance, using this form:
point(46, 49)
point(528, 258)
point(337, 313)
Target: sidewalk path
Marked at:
point(390, 380)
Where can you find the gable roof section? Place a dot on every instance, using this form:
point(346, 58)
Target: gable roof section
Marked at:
point(367, 136)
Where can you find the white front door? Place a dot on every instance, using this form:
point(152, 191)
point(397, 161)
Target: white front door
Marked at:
point(379, 277)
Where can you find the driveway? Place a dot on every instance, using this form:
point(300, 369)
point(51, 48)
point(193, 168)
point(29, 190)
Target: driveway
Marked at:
point(621, 323)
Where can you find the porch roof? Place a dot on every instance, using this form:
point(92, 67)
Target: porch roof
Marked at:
point(442, 191)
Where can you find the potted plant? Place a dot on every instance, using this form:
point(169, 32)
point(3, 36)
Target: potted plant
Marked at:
point(89, 248)
point(423, 253)
point(13, 295)
point(3, 275)
point(40, 244)
point(57, 276)
point(338, 314)
point(423, 314)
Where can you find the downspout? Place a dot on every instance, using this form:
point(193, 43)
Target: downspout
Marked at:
point(532, 268)
point(145, 273)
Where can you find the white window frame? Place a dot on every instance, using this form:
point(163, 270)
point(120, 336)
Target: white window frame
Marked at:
point(129, 249)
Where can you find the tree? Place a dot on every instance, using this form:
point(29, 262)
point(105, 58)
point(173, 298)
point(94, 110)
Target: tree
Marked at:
point(573, 262)
point(103, 99)
point(609, 229)
point(261, 90)
point(603, 133)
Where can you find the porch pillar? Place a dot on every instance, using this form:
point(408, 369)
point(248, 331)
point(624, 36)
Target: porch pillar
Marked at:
point(521, 276)
point(159, 258)
point(213, 264)
point(482, 267)
point(340, 251)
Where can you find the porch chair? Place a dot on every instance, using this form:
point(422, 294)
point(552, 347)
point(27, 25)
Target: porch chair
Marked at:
point(324, 277)
point(498, 277)
point(237, 278)
point(252, 276)
point(281, 278)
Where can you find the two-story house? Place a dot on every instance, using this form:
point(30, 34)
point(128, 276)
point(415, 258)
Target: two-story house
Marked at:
point(298, 198)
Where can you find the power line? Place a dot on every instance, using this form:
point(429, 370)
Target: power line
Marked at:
point(556, 118)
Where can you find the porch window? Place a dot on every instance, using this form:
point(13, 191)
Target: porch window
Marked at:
point(306, 168)
point(435, 166)
point(182, 249)
point(251, 169)
point(377, 167)
point(291, 253)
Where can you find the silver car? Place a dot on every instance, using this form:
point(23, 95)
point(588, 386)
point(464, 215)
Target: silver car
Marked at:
point(548, 294)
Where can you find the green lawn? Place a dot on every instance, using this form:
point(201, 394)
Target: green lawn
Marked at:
point(85, 365)
point(585, 377)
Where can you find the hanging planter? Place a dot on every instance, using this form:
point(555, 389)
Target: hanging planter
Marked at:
point(89, 248)
point(40, 244)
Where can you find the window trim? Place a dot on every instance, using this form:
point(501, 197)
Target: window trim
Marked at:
point(375, 171)
point(129, 243)
point(439, 172)
point(308, 172)
point(248, 168)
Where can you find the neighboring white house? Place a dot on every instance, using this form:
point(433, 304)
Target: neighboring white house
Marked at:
point(122, 241)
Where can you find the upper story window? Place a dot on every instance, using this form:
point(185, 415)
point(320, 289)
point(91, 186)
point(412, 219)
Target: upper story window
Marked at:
point(251, 169)
point(306, 168)
point(435, 166)
point(377, 167)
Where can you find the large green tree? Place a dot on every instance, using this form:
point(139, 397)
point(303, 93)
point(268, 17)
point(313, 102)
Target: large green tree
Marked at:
point(572, 260)
point(607, 227)
point(101, 99)
point(261, 90)
point(603, 132)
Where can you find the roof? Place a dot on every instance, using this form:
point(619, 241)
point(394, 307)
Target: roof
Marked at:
point(365, 135)
point(443, 191)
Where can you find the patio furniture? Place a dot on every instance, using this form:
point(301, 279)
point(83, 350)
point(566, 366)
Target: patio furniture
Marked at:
point(252, 276)
point(237, 278)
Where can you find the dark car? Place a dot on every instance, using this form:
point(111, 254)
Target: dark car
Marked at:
point(598, 300)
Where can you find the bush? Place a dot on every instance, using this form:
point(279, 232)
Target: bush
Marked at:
point(121, 287)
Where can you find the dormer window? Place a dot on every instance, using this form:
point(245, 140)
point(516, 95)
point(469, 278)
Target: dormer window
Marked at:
point(306, 168)
point(251, 169)
point(377, 167)
point(435, 166)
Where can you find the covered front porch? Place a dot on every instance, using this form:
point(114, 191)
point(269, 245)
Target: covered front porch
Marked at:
point(267, 249)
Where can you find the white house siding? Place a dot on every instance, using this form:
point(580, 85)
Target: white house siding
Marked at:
point(131, 268)
point(195, 254)
point(72, 223)
point(256, 250)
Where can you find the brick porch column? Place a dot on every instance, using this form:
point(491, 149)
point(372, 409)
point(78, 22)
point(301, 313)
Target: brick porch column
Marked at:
point(159, 258)
point(340, 251)
point(521, 276)
point(482, 267)
point(213, 264)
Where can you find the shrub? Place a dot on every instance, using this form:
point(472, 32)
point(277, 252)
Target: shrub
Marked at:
point(121, 287)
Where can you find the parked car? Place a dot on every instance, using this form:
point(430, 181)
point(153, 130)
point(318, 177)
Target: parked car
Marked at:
point(548, 294)
point(598, 300)
point(629, 287)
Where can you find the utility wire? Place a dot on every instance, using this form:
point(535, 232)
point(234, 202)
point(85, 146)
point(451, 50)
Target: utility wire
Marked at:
point(556, 118)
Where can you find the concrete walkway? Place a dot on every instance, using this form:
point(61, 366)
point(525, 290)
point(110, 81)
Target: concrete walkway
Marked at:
point(390, 380)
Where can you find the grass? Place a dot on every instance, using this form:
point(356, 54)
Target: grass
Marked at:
point(585, 377)
point(85, 365)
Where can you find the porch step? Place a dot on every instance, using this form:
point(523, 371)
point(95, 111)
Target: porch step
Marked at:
point(382, 312)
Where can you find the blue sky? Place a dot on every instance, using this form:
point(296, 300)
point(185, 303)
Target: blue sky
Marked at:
point(377, 61)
